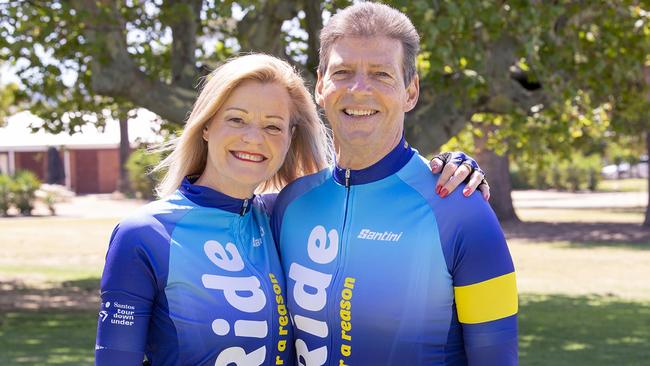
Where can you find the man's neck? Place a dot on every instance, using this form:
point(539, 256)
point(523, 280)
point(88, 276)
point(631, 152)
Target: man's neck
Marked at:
point(361, 157)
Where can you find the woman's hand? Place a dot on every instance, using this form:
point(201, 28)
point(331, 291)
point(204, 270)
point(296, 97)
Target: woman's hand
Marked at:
point(455, 167)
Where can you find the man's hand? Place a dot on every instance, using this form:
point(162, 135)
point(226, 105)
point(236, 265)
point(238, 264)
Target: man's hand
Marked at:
point(456, 167)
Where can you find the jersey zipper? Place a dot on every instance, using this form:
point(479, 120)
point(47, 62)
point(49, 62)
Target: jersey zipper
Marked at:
point(270, 347)
point(334, 292)
point(244, 206)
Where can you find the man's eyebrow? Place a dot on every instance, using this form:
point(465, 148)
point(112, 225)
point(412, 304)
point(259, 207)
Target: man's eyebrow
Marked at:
point(384, 66)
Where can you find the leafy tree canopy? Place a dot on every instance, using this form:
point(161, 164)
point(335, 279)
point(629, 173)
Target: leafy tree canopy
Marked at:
point(552, 73)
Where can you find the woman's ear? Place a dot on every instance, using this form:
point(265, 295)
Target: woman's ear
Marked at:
point(205, 133)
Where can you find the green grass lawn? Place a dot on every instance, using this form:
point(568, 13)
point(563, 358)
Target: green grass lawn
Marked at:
point(621, 214)
point(623, 185)
point(52, 249)
point(589, 330)
point(47, 338)
point(554, 330)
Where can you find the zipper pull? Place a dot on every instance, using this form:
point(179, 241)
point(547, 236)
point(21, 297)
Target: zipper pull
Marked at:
point(243, 207)
point(347, 177)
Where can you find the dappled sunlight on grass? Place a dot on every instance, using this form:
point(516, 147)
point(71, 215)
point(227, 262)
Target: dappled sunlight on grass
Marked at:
point(583, 330)
point(47, 338)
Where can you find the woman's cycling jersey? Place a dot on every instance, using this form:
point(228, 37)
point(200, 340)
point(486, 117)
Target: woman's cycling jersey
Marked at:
point(382, 271)
point(194, 279)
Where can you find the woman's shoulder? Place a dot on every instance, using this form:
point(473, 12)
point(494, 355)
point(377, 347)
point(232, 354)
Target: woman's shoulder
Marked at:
point(156, 216)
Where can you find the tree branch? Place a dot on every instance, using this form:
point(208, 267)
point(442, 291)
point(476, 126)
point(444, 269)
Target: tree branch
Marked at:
point(114, 72)
point(184, 20)
point(436, 118)
point(261, 29)
point(313, 25)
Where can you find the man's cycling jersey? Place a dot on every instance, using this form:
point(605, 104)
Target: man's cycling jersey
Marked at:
point(381, 271)
point(194, 279)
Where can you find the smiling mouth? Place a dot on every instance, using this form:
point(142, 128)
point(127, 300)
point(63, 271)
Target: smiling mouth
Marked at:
point(247, 156)
point(354, 112)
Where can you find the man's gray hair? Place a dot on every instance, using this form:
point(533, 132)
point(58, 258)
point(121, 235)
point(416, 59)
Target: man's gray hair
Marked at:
point(372, 20)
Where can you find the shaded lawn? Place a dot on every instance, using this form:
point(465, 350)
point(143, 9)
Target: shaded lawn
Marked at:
point(565, 330)
point(554, 330)
point(47, 338)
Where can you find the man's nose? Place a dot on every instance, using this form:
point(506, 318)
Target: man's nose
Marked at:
point(360, 83)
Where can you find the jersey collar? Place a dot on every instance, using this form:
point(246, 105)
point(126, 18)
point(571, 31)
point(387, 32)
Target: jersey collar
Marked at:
point(388, 165)
point(208, 197)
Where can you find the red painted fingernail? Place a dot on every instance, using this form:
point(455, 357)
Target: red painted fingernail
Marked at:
point(466, 192)
point(438, 189)
point(444, 192)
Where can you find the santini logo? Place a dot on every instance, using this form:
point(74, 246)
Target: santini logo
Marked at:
point(379, 236)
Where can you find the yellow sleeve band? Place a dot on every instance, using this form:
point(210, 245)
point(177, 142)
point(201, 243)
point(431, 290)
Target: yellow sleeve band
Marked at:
point(489, 300)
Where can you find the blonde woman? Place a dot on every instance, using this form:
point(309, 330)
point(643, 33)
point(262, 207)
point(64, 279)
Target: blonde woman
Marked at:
point(194, 278)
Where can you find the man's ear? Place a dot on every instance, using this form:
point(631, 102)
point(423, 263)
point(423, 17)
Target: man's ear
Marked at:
point(412, 94)
point(318, 92)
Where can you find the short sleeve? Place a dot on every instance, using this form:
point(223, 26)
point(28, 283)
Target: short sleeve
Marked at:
point(128, 289)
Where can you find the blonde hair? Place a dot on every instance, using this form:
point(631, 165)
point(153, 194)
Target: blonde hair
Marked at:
point(310, 149)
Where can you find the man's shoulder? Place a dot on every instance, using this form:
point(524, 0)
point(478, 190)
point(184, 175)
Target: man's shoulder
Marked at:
point(302, 185)
point(293, 191)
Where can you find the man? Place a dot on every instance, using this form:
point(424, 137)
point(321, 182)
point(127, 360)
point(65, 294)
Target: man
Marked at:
point(380, 270)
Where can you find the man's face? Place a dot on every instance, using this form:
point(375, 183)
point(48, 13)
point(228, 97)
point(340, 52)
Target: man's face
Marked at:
point(363, 92)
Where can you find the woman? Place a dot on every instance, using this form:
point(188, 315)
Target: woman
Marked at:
point(194, 278)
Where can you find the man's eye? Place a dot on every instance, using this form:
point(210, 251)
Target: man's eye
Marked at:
point(341, 72)
point(382, 74)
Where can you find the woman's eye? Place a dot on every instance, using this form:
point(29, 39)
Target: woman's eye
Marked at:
point(273, 130)
point(341, 72)
point(235, 121)
point(382, 74)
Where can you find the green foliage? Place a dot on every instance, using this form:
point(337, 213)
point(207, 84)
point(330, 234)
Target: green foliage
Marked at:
point(10, 96)
point(551, 171)
point(23, 189)
point(5, 194)
point(139, 166)
point(581, 62)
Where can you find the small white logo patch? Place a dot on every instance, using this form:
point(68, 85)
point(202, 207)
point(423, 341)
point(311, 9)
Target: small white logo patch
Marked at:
point(368, 234)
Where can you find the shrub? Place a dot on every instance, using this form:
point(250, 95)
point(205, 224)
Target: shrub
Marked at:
point(139, 167)
point(23, 189)
point(5, 193)
point(577, 173)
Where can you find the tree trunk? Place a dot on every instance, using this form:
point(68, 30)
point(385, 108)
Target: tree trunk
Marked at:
point(123, 184)
point(646, 78)
point(498, 173)
point(646, 222)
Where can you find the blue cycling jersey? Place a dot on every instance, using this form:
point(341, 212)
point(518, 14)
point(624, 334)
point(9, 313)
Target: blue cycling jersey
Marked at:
point(381, 271)
point(194, 279)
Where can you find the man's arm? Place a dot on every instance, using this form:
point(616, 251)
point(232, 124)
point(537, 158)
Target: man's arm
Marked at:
point(484, 282)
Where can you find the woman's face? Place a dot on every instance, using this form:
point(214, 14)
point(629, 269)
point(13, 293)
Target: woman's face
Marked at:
point(248, 138)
